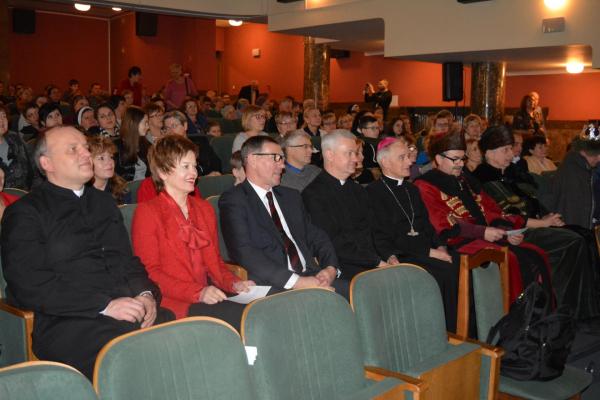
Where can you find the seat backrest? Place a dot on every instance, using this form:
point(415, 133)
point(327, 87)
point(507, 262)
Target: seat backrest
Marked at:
point(190, 359)
point(2, 283)
point(487, 292)
point(214, 202)
point(231, 125)
point(222, 147)
point(214, 185)
point(42, 380)
point(400, 316)
point(133, 187)
point(128, 210)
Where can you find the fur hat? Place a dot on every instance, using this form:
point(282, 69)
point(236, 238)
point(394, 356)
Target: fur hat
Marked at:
point(588, 141)
point(453, 140)
point(495, 137)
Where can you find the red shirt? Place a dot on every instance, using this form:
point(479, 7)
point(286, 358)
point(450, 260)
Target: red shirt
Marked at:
point(136, 88)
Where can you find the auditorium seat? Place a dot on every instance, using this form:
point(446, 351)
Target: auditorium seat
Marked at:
point(308, 347)
point(490, 291)
point(222, 146)
point(231, 126)
point(128, 210)
point(43, 380)
point(401, 321)
point(133, 187)
point(214, 185)
point(190, 359)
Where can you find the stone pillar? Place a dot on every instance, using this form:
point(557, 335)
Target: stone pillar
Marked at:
point(4, 58)
point(316, 72)
point(487, 90)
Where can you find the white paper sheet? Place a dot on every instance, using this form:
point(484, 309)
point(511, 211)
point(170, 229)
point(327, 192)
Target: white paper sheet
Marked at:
point(515, 232)
point(255, 292)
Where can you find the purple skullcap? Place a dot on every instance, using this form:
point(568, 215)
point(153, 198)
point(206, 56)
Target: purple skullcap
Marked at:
point(386, 142)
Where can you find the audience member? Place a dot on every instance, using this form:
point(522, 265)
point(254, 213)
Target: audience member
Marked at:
point(213, 129)
point(196, 122)
point(340, 206)
point(473, 154)
point(249, 92)
point(107, 122)
point(29, 122)
point(133, 84)
point(237, 168)
point(178, 88)
point(380, 98)
point(194, 279)
point(517, 149)
point(66, 255)
point(118, 104)
point(400, 224)
point(328, 122)
point(345, 122)
point(395, 128)
point(96, 96)
point(285, 106)
point(14, 158)
point(368, 130)
point(535, 149)
point(312, 121)
point(472, 127)
point(267, 230)
point(228, 112)
point(253, 123)
point(72, 91)
point(298, 151)
point(527, 118)
point(131, 164)
point(285, 123)
point(50, 115)
point(102, 151)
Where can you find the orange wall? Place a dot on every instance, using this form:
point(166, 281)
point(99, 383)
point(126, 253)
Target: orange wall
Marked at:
point(188, 41)
point(63, 47)
point(569, 97)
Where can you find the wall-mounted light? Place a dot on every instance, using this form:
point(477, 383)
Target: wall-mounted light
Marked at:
point(574, 67)
point(555, 4)
point(117, 9)
point(235, 22)
point(82, 7)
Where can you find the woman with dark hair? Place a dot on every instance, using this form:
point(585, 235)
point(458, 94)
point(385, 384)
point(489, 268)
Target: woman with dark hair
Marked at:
point(107, 122)
point(535, 151)
point(85, 119)
point(395, 128)
point(197, 123)
point(50, 115)
point(175, 235)
point(29, 122)
point(103, 150)
point(130, 163)
point(14, 158)
point(528, 118)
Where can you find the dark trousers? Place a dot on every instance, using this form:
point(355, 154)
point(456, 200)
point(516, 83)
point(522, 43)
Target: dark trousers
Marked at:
point(77, 341)
point(227, 311)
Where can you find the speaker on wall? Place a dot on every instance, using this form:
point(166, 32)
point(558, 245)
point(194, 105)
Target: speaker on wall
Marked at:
point(452, 81)
point(146, 24)
point(23, 21)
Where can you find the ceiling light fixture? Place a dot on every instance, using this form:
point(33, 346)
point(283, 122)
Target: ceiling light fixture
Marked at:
point(235, 22)
point(555, 4)
point(117, 9)
point(574, 67)
point(82, 7)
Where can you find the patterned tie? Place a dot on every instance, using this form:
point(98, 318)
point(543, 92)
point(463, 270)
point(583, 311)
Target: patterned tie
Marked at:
point(290, 248)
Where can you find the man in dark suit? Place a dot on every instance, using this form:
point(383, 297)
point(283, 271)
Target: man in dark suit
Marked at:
point(66, 255)
point(249, 92)
point(267, 230)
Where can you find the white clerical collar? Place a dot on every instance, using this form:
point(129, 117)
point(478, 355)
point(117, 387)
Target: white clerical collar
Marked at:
point(342, 182)
point(516, 159)
point(259, 191)
point(399, 181)
point(79, 192)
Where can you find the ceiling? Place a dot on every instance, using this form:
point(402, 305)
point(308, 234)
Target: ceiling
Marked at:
point(368, 36)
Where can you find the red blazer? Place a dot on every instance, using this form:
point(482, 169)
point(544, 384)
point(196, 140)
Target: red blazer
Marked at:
point(158, 232)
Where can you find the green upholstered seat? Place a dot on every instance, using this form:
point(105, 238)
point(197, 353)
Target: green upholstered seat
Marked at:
point(308, 347)
point(487, 292)
point(231, 125)
point(128, 210)
point(15, 191)
point(133, 187)
point(190, 359)
point(400, 317)
point(214, 185)
point(44, 381)
point(214, 202)
point(222, 147)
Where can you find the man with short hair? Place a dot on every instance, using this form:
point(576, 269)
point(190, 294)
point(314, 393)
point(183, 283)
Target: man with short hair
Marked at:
point(96, 96)
point(380, 98)
point(368, 129)
point(285, 122)
point(67, 256)
point(249, 92)
point(267, 230)
point(312, 120)
point(133, 83)
point(298, 149)
point(340, 206)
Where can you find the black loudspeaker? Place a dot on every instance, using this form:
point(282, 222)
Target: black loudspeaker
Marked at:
point(452, 81)
point(146, 24)
point(334, 53)
point(23, 21)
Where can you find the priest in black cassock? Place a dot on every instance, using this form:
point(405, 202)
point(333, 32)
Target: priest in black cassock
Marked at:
point(340, 206)
point(400, 224)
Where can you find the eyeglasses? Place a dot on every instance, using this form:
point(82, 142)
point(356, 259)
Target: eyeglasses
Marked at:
point(304, 146)
point(276, 156)
point(455, 159)
point(260, 116)
point(287, 123)
point(412, 149)
point(374, 127)
point(157, 115)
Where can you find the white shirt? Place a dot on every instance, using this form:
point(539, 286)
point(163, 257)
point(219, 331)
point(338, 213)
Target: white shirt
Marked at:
point(262, 194)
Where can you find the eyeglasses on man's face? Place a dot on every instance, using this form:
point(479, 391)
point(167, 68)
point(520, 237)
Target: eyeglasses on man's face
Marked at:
point(277, 157)
point(455, 160)
point(304, 146)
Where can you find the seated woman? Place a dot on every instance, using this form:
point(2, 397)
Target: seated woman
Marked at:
point(473, 154)
point(196, 122)
point(107, 122)
point(535, 151)
point(130, 162)
point(86, 119)
point(14, 160)
point(253, 122)
point(103, 150)
point(175, 236)
point(50, 115)
point(29, 122)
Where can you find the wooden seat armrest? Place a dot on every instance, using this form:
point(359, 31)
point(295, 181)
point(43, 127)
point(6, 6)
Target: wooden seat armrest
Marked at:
point(25, 314)
point(378, 374)
point(238, 271)
point(486, 349)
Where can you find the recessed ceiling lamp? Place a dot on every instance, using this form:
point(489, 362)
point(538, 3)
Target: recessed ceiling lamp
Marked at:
point(235, 22)
point(555, 4)
point(82, 7)
point(117, 9)
point(574, 67)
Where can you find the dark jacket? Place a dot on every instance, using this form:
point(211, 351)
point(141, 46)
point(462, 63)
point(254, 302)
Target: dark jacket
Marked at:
point(19, 172)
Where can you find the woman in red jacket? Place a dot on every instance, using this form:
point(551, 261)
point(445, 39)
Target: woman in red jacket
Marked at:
point(175, 235)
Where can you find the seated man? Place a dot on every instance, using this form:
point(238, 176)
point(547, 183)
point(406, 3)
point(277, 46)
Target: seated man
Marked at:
point(298, 149)
point(67, 256)
point(467, 219)
point(340, 206)
point(402, 232)
point(268, 232)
